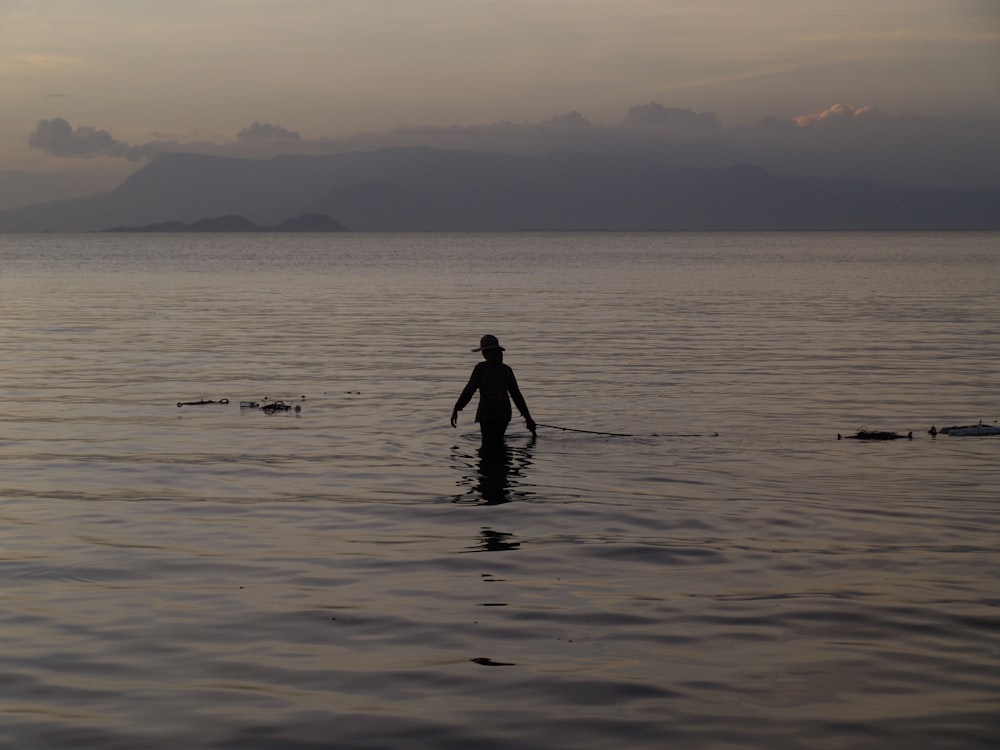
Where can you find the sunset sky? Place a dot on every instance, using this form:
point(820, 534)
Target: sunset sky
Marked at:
point(108, 78)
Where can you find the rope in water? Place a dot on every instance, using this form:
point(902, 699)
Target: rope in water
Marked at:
point(622, 434)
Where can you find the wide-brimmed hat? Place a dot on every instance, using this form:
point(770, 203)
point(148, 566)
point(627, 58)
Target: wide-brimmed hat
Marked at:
point(488, 342)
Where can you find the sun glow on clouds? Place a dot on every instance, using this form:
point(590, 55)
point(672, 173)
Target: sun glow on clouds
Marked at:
point(840, 113)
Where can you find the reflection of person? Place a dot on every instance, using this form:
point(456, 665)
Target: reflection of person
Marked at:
point(497, 477)
point(497, 385)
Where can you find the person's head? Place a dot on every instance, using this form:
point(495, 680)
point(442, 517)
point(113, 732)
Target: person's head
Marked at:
point(491, 349)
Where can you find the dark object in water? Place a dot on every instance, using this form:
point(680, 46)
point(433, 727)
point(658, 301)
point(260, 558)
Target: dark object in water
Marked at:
point(272, 406)
point(275, 406)
point(487, 662)
point(875, 435)
point(968, 429)
point(202, 403)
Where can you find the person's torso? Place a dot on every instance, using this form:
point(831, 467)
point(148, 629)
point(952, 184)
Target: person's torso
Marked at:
point(494, 381)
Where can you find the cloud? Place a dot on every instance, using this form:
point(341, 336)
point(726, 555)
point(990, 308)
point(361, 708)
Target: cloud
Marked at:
point(58, 138)
point(654, 115)
point(866, 142)
point(265, 132)
point(839, 141)
point(841, 115)
point(569, 120)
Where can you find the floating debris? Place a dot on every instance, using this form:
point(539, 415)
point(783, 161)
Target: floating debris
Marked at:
point(968, 429)
point(271, 407)
point(202, 403)
point(276, 406)
point(487, 662)
point(875, 435)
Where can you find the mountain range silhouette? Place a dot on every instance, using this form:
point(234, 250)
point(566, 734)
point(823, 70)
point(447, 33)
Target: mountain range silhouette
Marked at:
point(425, 189)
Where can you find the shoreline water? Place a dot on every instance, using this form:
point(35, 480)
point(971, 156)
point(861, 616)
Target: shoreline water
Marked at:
point(359, 574)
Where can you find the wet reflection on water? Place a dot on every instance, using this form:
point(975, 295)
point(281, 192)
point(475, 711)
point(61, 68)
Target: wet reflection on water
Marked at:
point(496, 475)
point(494, 541)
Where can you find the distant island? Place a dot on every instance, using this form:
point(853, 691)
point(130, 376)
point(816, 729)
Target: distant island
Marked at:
point(232, 223)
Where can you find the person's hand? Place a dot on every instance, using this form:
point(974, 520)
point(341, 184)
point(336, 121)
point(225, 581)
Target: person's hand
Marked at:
point(454, 418)
point(530, 424)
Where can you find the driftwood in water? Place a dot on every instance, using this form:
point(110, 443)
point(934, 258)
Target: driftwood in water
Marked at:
point(875, 435)
point(967, 429)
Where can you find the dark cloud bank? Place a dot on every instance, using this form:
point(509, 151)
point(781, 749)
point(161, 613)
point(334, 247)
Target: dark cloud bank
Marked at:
point(842, 142)
point(662, 168)
point(58, 138)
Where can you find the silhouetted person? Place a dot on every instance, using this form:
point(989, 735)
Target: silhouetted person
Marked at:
point(497, 385)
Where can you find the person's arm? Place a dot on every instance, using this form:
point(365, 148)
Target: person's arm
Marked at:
point(515, 394)
point(466, 396)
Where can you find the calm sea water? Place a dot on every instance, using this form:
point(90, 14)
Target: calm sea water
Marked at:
point(725, 574)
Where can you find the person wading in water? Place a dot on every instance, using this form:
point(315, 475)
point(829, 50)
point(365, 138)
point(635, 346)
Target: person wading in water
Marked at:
point(497, 385)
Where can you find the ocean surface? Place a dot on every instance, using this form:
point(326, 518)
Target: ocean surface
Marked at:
point(720, 572)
